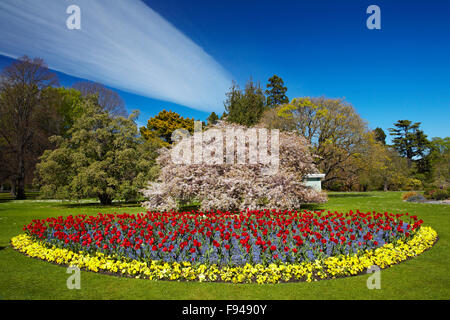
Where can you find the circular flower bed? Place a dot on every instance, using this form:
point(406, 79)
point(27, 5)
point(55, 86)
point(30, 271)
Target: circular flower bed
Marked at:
point(265, 246)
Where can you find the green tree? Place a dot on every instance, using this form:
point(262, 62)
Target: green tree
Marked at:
point(224, 116)
point(412, 143)
point(380, 135)
point(409, 141)
point(212, 119)
point(276, 92)
point(245, 108)
point(27, 119)
point(68, 106)
point(334, 129)
point(160, 127)
point(440, 161)
point(102, 156)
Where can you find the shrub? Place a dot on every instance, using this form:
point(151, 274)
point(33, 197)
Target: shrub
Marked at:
point(413, 184)
point(440, 195)
point(416, 198)
point(436, 194)
point(407, 195)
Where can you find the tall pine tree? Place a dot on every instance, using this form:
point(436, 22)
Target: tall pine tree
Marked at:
point(276, 92)
point(411, 142)
point(245, 108)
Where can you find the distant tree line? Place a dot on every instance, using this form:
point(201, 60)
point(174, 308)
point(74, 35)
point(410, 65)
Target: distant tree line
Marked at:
point(351, 156)
point(80, 142)
point(72, 143)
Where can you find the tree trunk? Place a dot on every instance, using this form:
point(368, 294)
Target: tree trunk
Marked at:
point(105, 199)
point(21, 180)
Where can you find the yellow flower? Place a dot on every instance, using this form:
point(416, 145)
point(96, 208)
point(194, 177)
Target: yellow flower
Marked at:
point(308, 271)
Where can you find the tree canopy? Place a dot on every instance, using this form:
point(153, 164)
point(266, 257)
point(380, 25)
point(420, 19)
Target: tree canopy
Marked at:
point(26, 118)
point(160, 127)
point(233, 186)
point(380, 135)
point(102, 156)
point(332, 127)
point(410, 141)
point(212, 119)
point(245, 107)
point(276, 92)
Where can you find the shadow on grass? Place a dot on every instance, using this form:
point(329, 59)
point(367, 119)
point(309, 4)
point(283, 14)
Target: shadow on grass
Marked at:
point(73, 205)
point(6, 196)
point(348, 195)
point(313, 206)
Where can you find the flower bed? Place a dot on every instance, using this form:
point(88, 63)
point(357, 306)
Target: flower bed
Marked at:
point(254, 246)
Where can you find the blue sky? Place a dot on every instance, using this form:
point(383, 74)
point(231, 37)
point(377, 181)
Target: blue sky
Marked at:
point(321, 48)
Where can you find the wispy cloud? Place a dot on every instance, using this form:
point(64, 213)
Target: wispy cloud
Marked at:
point(122, 43)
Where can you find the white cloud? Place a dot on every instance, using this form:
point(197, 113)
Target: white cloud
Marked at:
point(122, 43)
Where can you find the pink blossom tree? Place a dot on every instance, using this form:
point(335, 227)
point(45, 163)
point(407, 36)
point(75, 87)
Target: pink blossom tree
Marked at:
point(221, 185)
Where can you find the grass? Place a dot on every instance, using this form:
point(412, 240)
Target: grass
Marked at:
point(425, 277)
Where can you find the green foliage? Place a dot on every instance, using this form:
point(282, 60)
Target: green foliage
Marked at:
point(212, 119)
point(160, 128)
point(334, 129)
point(101, 156)
point(440, 161)
point(410, 141)
point(67, 103)
point(27, 119)
point(437, 194)
point(380, 136)
point(276, 92)
point(245, 108)
point(412, 184)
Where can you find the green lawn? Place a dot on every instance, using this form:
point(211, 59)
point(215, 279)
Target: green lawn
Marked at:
point(425, 277)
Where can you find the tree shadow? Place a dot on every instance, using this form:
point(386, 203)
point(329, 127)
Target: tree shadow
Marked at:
point(7, 197)
point(312, 206)
point(348, 195)
point(72, 205)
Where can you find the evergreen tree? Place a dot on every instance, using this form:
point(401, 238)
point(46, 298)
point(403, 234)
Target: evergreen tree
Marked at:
point(212, 119)
point(412, 143)
point(160, 127)
point(380, 136)
point(245, 108)
point(409, 141)
point(276, 92)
